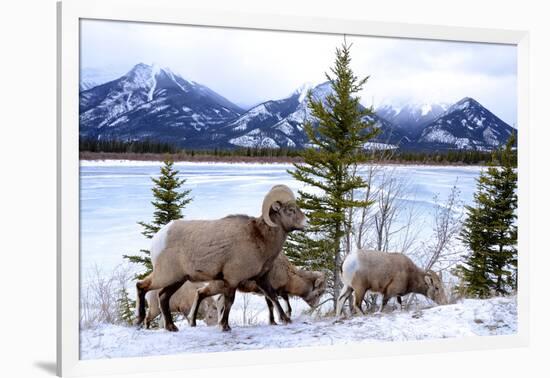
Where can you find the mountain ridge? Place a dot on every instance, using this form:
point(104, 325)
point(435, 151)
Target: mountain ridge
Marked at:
point(153, 102)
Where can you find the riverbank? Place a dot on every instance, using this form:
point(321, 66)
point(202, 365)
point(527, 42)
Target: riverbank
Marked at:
point(184, 157)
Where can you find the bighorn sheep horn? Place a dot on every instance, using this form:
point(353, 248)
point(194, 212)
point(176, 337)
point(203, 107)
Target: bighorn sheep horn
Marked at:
point(281, 193)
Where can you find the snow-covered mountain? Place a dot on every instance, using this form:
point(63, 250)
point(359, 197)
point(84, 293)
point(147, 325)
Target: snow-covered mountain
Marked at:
point(280, 123)
point(275, 124)
point(466, 125)
point(411, 117)
point(150, 102)
point(153, 102)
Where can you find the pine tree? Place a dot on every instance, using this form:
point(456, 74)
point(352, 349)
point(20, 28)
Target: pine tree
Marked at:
point(125, 307)
point(168, 204)
point(490, 230)
point(337, 146)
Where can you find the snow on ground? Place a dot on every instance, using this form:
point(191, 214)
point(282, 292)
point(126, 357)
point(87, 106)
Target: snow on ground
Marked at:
point(471, 317)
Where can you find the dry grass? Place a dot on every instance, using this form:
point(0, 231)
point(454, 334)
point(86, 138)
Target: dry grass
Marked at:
point(181, 156)
point(98, 297)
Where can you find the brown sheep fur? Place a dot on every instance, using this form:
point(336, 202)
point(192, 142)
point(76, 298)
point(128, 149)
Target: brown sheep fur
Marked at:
point(287, 280)
point(226, 252)
point(390, 274)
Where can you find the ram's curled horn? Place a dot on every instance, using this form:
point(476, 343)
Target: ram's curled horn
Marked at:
point(281, 193)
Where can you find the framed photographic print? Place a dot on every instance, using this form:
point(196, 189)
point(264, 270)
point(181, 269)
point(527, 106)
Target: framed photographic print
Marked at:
point(285, 188)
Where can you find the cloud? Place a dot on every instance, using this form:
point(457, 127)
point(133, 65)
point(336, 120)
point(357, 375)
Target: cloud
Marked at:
point(250, 66)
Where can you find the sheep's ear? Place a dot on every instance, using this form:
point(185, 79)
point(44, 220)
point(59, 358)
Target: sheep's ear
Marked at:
point(276, 206)
point(428, 279)
point(440, 275)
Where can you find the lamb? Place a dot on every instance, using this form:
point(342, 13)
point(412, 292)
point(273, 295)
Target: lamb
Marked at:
point(390, 274)
point(287, 280)
point(225, 251)
point(181, 301)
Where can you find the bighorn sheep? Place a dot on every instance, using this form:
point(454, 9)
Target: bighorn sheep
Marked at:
point(182, 301)
point(225, 251)
point(390, 274)
point(287, 280)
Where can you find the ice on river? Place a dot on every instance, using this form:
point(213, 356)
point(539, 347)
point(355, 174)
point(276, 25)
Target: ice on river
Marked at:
point(115, 195)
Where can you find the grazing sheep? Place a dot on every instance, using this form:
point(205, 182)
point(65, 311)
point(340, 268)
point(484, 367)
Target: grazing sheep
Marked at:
point(182, 301)
point(287, 280)
point(390, 274)
point(225, 251)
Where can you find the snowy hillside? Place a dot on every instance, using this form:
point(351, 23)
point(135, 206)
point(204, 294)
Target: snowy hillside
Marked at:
point(467, 125)
point(280, 123)
point(411, 117)
point(495, 316)
point(153, 102)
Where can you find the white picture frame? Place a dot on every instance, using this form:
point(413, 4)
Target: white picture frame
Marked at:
point(69, 14)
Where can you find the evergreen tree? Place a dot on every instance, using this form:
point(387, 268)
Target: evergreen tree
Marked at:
point(168, 204)
point(336, 147)
point(490, 230)
point(125, 307)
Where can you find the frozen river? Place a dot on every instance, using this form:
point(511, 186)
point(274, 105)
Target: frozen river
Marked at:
point(116, 195)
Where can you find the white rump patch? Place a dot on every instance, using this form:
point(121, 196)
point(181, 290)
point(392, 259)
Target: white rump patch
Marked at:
point(158, 243)
point(349, 267)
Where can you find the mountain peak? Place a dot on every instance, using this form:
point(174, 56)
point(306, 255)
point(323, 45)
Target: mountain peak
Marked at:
point(466, 99)
point(467, 125)
point(465, 103)
point(140, 67)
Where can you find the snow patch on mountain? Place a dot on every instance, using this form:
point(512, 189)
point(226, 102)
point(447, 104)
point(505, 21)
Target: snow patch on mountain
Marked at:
point(490, 137)
point(445, 137)
point(285, 127)
point(154, 72)
point(254, 139)
point(303, 90)
point(374, 146)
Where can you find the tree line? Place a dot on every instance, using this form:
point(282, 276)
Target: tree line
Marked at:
point(126, 146)
point(467, 157)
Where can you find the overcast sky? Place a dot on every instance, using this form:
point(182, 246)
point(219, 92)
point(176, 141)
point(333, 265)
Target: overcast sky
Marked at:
point(251, 66)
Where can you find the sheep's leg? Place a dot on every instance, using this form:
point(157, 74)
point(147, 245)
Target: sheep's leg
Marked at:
point(270, 293)
point(383, 302)
point(344, 295)
point(288, 308)
point(359, 295)
point(270, 308)
point(210, 289)
point(219, 306)
point(151, 282)
point(153, 311)
point(164, 299)
point(142, 287)
point(400, 301)
point(229, 297)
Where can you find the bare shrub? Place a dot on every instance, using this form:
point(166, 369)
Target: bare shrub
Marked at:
point(442, 252)
point(100, 294)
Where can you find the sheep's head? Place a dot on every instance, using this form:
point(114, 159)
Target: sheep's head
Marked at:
point(436, 290)
point(318, 287)
point(279, 209)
